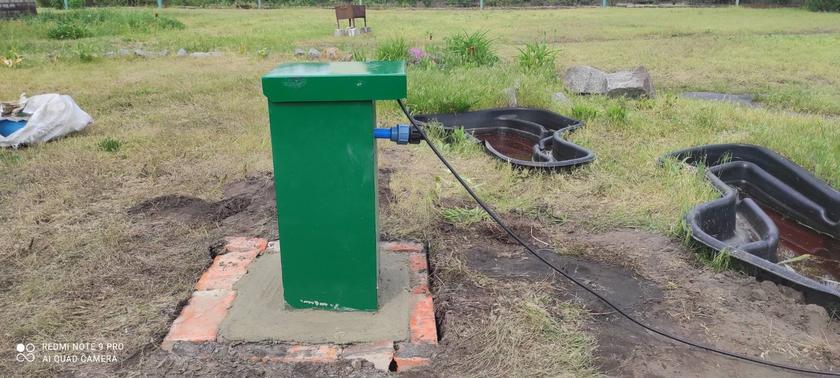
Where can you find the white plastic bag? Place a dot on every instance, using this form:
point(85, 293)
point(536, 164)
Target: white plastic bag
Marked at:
point(51, 116)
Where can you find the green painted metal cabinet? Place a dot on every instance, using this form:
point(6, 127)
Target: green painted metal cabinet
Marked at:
point(322, 117)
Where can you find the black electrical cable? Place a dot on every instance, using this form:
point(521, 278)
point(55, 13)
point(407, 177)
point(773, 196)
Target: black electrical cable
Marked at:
point(629, 317)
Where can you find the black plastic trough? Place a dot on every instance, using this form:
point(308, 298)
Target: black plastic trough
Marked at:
point(763, 193)
point(531, 138)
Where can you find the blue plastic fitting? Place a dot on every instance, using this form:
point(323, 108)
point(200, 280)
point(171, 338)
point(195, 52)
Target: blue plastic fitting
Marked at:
point(382, 133)
point(398, 133)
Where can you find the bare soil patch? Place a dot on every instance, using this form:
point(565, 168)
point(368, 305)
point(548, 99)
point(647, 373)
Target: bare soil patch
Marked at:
point(661, 283)
point(477, 271)
point(247, 208)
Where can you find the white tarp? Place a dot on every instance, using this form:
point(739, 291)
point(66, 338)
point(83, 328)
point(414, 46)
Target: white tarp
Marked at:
point(49, 116)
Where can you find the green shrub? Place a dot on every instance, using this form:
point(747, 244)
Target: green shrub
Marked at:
point(537, 57)
point(55, 4)
point(823, 5)
point(393, 49)
point(68, 30)
point(468, 50)
point(80, 23)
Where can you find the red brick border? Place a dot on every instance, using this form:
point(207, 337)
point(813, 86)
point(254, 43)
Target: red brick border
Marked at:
point(199, 320)
point(422, 325)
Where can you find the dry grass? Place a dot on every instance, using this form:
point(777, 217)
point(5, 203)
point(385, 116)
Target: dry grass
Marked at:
point(75, 267)
point(530, 335)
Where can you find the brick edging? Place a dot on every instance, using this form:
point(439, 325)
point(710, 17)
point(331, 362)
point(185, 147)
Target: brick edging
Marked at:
point(199, 321)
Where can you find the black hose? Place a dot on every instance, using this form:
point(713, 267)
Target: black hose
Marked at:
point(629, 317)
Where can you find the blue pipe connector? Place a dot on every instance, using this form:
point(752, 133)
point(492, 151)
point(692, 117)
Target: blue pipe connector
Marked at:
point(401, 134)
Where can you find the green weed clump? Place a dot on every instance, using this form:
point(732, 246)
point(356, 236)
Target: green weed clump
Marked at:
point(393, 49)
point(83, 23)
point(263, 52)
point(68, 30)
point(359, 56)
point(617, 113)
point(109, 145)
point(722, 260)
point(456, 141)
point(11, 59)
point(537, 57)
point(463, 216)
point(584, 112)
point(86, 53)
point(468, 50)
point(823, 5)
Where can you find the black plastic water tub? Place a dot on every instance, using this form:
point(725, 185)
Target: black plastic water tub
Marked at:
point(531, 138)
point(770, 211)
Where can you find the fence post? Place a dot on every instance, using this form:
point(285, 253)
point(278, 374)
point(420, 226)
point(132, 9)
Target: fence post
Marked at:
point(160, 4)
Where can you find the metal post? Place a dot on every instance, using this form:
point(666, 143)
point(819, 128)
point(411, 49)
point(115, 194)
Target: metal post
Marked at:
point(160, 4)
point(605, 3)
point(66, 5)
point(481, 4)
point(259, 4)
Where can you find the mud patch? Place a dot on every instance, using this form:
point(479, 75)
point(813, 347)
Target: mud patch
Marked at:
point(247, 208)
point(619, 285)
point(658, 281)
point(726, 309)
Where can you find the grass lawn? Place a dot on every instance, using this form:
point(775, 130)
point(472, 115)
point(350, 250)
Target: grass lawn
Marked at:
point(71, 269)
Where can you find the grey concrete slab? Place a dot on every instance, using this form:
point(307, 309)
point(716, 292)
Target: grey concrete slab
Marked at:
point(259, 314)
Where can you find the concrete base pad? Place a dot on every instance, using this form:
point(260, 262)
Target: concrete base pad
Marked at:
point(238, 304)
point(259, 313)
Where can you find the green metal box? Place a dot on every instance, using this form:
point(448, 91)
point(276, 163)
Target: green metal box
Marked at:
point(322, 117)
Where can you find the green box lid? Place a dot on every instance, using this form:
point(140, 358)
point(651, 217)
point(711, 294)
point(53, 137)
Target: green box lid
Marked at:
point(335, 81)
